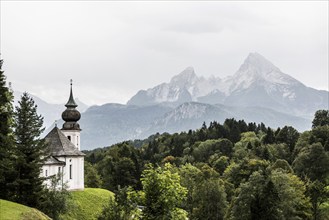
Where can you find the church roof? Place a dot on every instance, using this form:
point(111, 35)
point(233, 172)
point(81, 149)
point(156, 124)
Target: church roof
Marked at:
point(53, 160)
point(60, 145)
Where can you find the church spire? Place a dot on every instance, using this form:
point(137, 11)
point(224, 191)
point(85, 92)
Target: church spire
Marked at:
point(71, 115)
point(71, 103)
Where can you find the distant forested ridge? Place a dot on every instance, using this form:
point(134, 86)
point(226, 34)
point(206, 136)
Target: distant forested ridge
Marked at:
point(234, 170)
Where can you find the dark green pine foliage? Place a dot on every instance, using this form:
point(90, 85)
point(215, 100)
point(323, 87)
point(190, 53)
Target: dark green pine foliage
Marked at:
point(321, 118)
point(30, 152)
point(7, 171)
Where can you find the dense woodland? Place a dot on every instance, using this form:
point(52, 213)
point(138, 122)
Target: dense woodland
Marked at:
point(234, 170)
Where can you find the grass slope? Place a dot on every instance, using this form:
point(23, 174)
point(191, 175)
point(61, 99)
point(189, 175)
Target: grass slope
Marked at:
point(14, 211)
point(87, 204)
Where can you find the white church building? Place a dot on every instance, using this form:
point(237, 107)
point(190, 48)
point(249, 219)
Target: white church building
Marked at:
point(66, 160)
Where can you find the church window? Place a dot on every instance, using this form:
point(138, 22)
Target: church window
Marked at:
point(70, 171)
point(77, 140)
point(69, 137)
point(59, 170)
point(46, 172)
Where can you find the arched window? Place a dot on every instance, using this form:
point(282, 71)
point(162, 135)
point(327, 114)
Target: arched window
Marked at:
point(69, 137)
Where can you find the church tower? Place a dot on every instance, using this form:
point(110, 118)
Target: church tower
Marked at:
point(65, 158)
point(71, 128)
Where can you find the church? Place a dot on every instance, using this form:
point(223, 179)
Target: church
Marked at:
point(65, 160)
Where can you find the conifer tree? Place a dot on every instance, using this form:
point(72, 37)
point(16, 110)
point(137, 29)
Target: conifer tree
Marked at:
point(30, 152)
point(7, 172)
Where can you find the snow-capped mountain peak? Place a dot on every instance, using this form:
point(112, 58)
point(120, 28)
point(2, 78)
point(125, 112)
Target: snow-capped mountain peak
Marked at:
point(257, 64)
point(186, 78)
point(257, 70)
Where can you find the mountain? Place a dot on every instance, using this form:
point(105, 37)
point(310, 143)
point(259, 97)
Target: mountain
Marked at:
point(112, 123)
point(184, 87)
point(50, 112)
point(191, 116)
point(259, 83)
point(256, 83)
point(257, 92)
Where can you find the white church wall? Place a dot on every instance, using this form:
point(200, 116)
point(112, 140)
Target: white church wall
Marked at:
point(49, 170)
point(73, 136)
point(73, 175)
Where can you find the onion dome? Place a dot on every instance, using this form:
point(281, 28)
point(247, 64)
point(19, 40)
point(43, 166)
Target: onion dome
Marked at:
point(71, 115)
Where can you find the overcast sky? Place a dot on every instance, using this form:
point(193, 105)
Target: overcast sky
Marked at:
point(112, 49)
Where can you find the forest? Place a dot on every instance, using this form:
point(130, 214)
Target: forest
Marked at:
point(234, 170)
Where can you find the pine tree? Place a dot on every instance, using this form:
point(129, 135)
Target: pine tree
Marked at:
point(7, 172)
point(30, 152)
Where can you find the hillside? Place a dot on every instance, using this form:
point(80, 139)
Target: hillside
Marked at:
point(87, 204)
point(14, 211)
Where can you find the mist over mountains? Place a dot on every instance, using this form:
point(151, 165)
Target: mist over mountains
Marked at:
point(257, 92)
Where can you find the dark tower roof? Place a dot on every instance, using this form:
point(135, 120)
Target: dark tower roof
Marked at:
point(71, 103)
point(71, 115)
point(60, 145)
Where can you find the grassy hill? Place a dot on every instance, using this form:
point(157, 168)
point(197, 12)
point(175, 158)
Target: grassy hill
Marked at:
point(14, 211)
point(87, 204)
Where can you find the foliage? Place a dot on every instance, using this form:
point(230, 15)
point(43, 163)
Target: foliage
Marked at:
point(163, 192)
point(123, 206)
point(111, 211)
point(30, 152)
point(321, 118)
point(55, 202)
point(271, 195)
point(7, 146)
point(288, 135)
point(312, 162)
point(209, 200)
point(119, 167)
point(92, 178)
point(319, 195)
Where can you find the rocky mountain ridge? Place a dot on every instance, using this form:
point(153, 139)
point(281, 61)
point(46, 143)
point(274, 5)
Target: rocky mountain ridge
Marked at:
point(256, 83)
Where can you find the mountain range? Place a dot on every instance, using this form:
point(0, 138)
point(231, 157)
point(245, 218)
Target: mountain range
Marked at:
point(256, 83)
point(257, 92)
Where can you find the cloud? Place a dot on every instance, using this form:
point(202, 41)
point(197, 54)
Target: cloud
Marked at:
point(195, 28)
point(113, 49)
